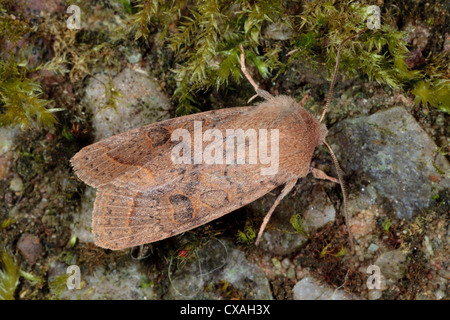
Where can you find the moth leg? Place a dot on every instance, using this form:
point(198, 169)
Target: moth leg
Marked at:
point(303, 101)
point(287, 188)
point(259, 92)
point(319, 174)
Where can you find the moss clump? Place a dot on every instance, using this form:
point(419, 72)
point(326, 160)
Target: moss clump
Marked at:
point(377, 53)
point(387, 225)
point(21, 93)
point(247, 236)
point(206, 39)
point(205, 34)
point(58, 285)
point(436, 93)
point(298, 225)
point(20, 97)
point(9, 276)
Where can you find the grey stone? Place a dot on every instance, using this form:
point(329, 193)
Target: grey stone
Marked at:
point(291, 273)
point(319, 213)
point(444, 273)
point(428, 248)
point(217, 261)
point(375, 294)
point(141, 103)
point(81, 225)
point(391, 154)
point(134, 57)
point(391, 264)
point(310, 288)
point(125, 283)
point(16, 184)
point(373, 248)
point(7, 136)
point(439, 294)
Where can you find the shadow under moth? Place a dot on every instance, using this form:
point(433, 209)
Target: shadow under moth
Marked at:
point(151, 185)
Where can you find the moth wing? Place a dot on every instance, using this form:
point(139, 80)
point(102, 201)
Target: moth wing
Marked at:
point(144, 197)
point(141, 154)
point(124, 217)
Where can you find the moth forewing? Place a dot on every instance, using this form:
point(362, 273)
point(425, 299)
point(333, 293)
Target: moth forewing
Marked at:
point(151, 197)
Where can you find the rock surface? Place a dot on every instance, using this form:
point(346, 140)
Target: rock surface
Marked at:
point(311, 289)
point(219, 264)
point(391, 264)
point(126, 283)
point(7, 136)
point(140, 103)
point(391, 154)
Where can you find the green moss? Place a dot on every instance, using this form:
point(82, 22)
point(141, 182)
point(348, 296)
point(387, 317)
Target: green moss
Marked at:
point(9, 276)
point(58, 285)
point(31, 277)
point(145, 282)
point(297, 223)
point(7, 222)
point(21, 93)
point(324, 251)
point(247, 236)
point(13, 29)
point(387, 225)
point(435, 93)
point(341, 252)
point(377, 53)
point(20, 97)
point(206, 40)
point(208, 32)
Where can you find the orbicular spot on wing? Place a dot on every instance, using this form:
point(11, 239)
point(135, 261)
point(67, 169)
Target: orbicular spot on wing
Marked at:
point(214, 198)
point(158, 136)
point(183, 208)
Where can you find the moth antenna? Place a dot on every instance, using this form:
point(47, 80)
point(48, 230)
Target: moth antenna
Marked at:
point(262, 93)
point(344, 194)
point(336, 69)
point(249, 100)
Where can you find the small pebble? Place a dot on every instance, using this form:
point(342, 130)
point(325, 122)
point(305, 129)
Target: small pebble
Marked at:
point(439, 294)
point(375, 294)
point(291, 273)
point(29, 247)
point(16, 184)
point(373, 248)
point(276, 263)
point(444, 273)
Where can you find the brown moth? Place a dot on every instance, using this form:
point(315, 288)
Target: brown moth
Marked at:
point(143, 195)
